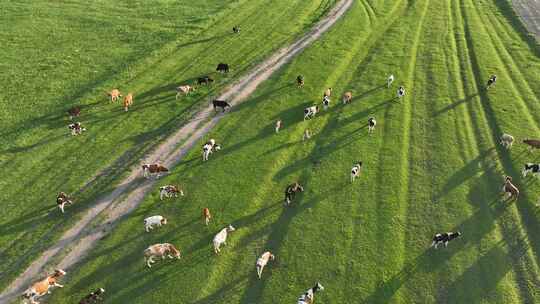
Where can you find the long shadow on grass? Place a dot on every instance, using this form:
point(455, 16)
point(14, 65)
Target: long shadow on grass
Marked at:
point(455, 104)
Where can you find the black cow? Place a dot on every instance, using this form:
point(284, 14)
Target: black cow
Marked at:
point(220, 104)
point(491, 81)
point(204, 80)
point(444, 238)
point(93, 297)
point(300, 80)
point(290, 192)
point(223, 67)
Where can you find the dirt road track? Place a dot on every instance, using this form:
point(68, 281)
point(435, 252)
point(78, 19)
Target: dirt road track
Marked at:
point(529, 11)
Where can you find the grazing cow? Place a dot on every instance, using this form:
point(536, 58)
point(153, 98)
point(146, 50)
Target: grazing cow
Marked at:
point(390, 80)
point(326, 102)
point(153, 169)
point(327, 92)
point(290, 192)
point(76, 128)
point(210, 147)
point(309, 296)
point(62, 199)
point(307, 135)
point(532, 143)
point(371, 124)
point(206, 216)
point(491, 81)
point(262, 261)
point(507, 140)
point(347, 97)
point(236, 29)
point(128, 101)
point(114, 94)
point(356, 170)
point(204, 80)
point(221, 238)
point(74, 112)
point(170, 191)
point(300, 81)
point(510, 189)
point(534, 169)
point(184, 89)
point(278, 125)
point(310, 112)
point(160, 251)
point(42, 287)
point(93, 297)
point(156, 220)
point(444, 238)
point(220, 104)
point(401, 92)
point(223, 67)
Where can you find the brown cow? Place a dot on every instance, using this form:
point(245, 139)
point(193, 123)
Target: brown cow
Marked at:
point(150, 169)
point(74, 112)
point(128, 101)
point(160, 251)
point(206, 215)
point(347, 97)
point(532, 143)
point(184, 89)
point(114, 94)
point(510, 189)
point(42, 287)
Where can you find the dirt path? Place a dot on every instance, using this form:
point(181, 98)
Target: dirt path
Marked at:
point(529, 11)
point(82, 237)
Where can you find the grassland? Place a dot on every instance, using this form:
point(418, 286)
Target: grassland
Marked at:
point(64, 53)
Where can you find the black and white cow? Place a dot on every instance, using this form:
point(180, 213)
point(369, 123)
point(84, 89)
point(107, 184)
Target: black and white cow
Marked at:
point(205, 80)
point(355, 170)
point(308, 296)
point(491, 81)
point(76, 128)
point(236, 29)
point(290, 192)
point(444, 238)
point(534, 169)
point(220, 104)
point(62, 199)
point(209, 147)
point(310, 112)
point(300, 81)
point(371, 124)
point(326, 101)
point(93, 297)
point(401, 92)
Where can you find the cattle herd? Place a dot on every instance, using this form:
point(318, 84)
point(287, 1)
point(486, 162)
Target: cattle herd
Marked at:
point(167, 250)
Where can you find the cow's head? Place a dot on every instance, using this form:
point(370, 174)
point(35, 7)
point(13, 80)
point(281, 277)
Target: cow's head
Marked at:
point(217, 147)
point(163, 221)
point(272, 257)
point(59, 273)
point(175, 252)
point(230, 228)
point(318, 287)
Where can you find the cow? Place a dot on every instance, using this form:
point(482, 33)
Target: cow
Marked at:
point(347, 97)
point(160, 251)
point(221, 238)
point(262, 261)
point(74, 112)
point(170, 191)
point(327, 92)
point(278, 125)
point(300, 81)
point(356, 170)
point(41, 288)
point(76, 128)
point(390, 80)
point(114, 94)
point(326, 102)
point(62, 199)
point(444, 238)
point(153, 169)
point(156, 220)
point(507, 140)
point(204, 80)
point(206, 216)
point(309, 296)
point(371, 124)
point(290, 192)
point(93, 297)
point(310, 112)
point(210, 147)
point(307, 135)
point(534, 169)
point(400, 92)
point(220, 104)
point(128, 101)
point(184, 89)
point(236, 29)
point(510, 189)
point(491, 81)
point(223, 67)
point(532, 143)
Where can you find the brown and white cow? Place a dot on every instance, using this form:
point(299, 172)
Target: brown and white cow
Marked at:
point(41, 288)
point(128, 101)
point(510, 191)
point(62, 199)
point(532, 143)
point(160, 251)
point(206, 216)
point(114, 95)
point(153, 169)
point(184, 89)
point(347, 97)
point(170, 191)
point(74, 112)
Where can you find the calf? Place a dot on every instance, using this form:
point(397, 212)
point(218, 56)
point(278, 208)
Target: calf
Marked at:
point(156, 220)
point(223, 67)
point(278, 125)
point(262, 261)
point(184, 89)
point(76, 128)
point(204, 80)
point(300, 81)
point(534, 169)
point(74, 112)
point(62, 199)
point(42, 287)
point(206, 216)
point(93, 297)
point(209, 147)
point(220, 104)
point(128, 101)
point(371, 124)
point(507, 140)
point(290, 192)
point(326, 102)
point(170, 191)
point(532, 143)
point(221, 238)
point(510, 189)
point(347, 97)
point(114, 94)
point(356, 170)
point(444, 238)
point(309, 296)
point(160, 251)
point(389, 80)
point(153, 169)
point(491, 81)
point(310, 112)
point(401, 92)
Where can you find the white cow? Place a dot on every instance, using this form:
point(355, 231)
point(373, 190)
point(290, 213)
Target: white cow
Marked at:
point(278, 125)
point(221, 238)
point(507, 140)
point(156, 220)
point(262, 261)
point(183, 89)
point(390, 80)
point(310, 112)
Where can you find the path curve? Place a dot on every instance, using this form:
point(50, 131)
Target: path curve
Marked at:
point(82, 237)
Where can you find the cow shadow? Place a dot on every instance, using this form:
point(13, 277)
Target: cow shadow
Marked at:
point(455, 104)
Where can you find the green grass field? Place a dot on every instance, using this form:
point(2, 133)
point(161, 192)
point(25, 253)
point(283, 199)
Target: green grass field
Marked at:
point(432, 165)
point(64, 53)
